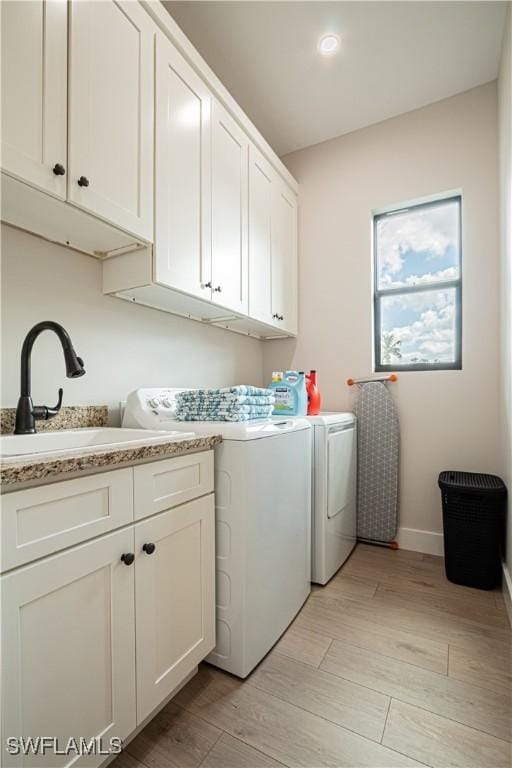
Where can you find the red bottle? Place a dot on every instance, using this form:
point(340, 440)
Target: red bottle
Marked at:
point(313, 394)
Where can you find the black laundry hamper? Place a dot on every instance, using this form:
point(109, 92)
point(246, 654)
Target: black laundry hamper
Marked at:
point(473, 523)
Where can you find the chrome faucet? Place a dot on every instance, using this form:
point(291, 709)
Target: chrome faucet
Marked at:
point(26, 412)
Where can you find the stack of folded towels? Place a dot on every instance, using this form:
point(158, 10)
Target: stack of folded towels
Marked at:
point(242, 403)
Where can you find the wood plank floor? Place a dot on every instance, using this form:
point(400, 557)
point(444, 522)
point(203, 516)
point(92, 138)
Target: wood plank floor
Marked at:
point(388, 665)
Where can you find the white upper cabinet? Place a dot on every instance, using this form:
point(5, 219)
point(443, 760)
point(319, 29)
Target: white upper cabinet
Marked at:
point(137, 144)
point(111, 59)
point(230, 157)
point(272, 247)
point(261, 192)
point(34, 92)
point(284, 257)
point(182, 175)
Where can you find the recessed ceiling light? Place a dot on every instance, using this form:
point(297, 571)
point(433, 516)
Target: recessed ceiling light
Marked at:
point(329, 44)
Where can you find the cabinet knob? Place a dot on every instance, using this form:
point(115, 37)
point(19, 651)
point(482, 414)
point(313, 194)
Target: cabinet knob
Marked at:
point(128, 558)
point(281, 317)
point(59, 169)
point(148, 548)
point(83, 181)
point(208, 284)
point(218, 289)
point(275, 316)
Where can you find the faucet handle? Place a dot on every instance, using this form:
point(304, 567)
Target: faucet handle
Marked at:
point(51, 412)
point(42, 412)
point(54, 411)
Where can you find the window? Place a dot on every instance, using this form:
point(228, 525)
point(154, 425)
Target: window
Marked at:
point(418, 287)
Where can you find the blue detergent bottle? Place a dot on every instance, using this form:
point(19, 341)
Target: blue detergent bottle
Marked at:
point(302, 395)
point(290, 393)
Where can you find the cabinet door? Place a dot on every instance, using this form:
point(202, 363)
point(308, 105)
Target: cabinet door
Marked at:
point(261, 178)
point(174, 598)
point(111, 113)
point(182, 175)
point(34, 85)
point(284, 257)
point(230, 148)
point(68, 648)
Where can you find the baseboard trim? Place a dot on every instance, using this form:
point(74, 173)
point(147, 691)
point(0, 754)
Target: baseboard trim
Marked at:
point(506, 589)
point(428, 542)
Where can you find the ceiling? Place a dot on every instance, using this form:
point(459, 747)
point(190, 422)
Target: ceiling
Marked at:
point(394, 57)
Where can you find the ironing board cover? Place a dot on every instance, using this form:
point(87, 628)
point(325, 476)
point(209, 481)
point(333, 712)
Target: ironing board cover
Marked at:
point(378, 454)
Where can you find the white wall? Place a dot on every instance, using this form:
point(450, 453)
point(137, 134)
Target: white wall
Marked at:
point(448, 419)
point(124, 346)
point(505, 131)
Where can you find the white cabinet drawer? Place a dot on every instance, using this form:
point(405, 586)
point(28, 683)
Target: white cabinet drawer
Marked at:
point(165, 484)
point(39, 521)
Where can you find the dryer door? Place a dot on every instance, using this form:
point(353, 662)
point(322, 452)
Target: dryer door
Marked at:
point(341, 468)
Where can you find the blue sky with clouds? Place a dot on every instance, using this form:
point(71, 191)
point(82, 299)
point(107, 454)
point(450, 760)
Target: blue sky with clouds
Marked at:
point(419, 247)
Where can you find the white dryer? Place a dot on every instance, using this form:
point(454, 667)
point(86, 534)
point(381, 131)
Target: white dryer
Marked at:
point(334, 492)
point(263, 524)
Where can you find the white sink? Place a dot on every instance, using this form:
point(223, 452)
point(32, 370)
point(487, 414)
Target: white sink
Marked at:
point(72, 441)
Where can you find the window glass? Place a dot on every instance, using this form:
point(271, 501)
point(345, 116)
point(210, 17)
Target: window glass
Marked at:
point(418, 287)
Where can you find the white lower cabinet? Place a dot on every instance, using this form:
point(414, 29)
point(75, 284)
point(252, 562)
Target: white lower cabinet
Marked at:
point(97, 636)
point(174, 595)
point(68, 648)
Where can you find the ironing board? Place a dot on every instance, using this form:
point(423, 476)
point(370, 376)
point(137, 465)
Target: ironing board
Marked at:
point(378, 455)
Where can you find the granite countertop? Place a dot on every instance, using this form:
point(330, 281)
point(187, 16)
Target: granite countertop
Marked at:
point(69, 417)
point(36, 470)
point(27, 472)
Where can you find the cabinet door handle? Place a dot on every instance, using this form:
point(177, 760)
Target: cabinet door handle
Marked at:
point(208, 284)
point(127, 558)
point(59, 169)
point(218, 289)
point(148, 548)
point(275, 316)
point(83, 181)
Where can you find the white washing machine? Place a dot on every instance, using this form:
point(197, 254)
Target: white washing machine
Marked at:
point(263, 524)
point(334, 492)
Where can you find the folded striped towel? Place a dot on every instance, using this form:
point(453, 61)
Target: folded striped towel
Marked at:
point(241, 389)
point(218, 417)
point(256, 410)
point(227, 400)
point(242, 403)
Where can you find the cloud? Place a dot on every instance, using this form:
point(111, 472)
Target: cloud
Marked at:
point(450, 273)
point(432, 336)
point(426, 230)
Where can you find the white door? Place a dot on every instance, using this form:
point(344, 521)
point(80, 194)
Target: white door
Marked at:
point(261, 192)
point(34, 85)
point(230, 150)
point(111, 58)
point(341, 470)
point(68, 648)
point(174, 598)
point(284, 257)
point(182, 175)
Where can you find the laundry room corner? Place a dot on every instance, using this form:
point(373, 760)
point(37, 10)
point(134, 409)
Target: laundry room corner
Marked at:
point(344, 181)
